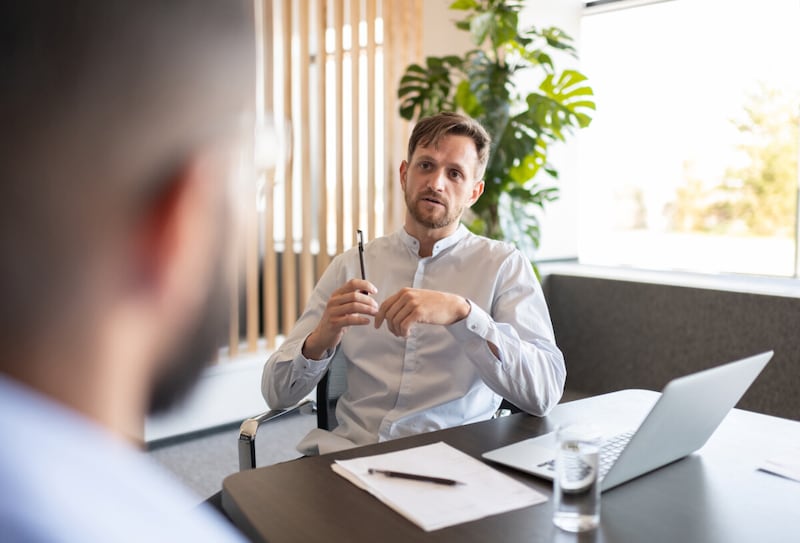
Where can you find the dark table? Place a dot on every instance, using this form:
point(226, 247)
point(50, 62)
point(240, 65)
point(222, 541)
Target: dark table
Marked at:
point(714, 495)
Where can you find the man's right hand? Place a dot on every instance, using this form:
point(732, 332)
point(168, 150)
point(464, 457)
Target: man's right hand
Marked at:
point(349, 305)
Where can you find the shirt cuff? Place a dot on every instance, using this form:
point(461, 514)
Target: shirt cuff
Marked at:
point(308, 365)
point(477, 323)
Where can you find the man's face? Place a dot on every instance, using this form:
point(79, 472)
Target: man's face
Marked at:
point(440, 183)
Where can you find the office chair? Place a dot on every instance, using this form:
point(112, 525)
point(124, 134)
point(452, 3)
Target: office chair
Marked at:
point(329, 390)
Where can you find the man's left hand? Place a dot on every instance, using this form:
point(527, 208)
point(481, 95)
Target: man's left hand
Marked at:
point(409, 306)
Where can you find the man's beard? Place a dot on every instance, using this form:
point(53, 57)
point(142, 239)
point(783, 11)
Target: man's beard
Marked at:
point(427, 221)
point(179, 374)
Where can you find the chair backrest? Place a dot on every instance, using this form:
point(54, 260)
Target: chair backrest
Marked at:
point(330, 388)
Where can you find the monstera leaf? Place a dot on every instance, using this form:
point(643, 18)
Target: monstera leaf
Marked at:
point(573, 95)
point(427, 90)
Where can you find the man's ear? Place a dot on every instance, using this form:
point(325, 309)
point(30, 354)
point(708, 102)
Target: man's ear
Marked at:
point(177, 233)
point(477, 190)
point(403, 174)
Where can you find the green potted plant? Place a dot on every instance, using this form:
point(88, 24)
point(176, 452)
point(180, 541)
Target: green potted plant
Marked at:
point(523, 125)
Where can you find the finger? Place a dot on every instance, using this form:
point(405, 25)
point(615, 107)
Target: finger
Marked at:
point(350, 309)
point(403, 319)
point(361, 285)
point(354, 285)
point(404, 327)
point(355, 297)
point(386, 306)
point(351, 319)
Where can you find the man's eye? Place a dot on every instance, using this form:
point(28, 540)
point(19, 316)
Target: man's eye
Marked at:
point(425, 165)
point(455, 174)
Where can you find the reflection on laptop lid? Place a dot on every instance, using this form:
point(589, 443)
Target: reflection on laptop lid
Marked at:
point(684, 417)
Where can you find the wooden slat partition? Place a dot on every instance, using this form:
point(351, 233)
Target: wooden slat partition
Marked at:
point(325, 126)
point(322, 131)
point(355, 88)
point(338, 29)
point(288, 268)
point(269, 265)
point(371, 78)
point(303, 65)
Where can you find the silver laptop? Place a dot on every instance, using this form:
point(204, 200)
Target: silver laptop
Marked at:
point(684, 417)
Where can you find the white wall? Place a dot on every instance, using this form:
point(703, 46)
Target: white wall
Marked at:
point(439, 33)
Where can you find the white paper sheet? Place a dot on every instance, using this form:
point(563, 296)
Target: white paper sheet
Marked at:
point(485, 491)
point(786, 464)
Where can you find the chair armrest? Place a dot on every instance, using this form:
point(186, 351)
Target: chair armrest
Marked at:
point(249, 429)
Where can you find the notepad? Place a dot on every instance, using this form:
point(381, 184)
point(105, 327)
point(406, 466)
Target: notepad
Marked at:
point(484, 492)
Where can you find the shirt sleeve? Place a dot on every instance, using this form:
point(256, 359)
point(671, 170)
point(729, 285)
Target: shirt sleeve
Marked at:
point(289, 376)
point(529, 371)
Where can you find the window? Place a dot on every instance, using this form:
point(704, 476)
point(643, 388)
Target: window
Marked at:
point(692, 158)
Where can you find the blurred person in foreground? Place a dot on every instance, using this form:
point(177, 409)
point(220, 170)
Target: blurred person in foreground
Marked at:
point(466, 323)
point(119, 120)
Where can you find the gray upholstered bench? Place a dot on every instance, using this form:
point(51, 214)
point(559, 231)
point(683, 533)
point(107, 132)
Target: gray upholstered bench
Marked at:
point(617, 334)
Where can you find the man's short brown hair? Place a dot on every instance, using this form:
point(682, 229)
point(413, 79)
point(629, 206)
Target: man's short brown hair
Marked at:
point(430, 130)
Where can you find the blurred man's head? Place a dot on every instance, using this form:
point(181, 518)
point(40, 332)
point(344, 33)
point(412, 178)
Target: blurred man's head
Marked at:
point(117, 119)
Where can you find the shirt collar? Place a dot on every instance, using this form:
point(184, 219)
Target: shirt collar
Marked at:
point(444, 243)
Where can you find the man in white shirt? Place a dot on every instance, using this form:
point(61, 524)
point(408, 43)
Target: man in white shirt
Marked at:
point(118, 119)
point(445, 326)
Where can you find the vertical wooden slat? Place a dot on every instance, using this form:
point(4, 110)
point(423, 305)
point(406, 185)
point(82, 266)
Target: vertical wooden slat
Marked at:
point(338, 14)
point(233, 335)
point(388, 125)
point(406, 57)
point(355, 87)
point(303, 164)
point(288, 267)
point(269, 267)
point(371, 118)
point(386, 19)
point(235, 266)
point(251, 265)
point(251, 203)
point(322, 130)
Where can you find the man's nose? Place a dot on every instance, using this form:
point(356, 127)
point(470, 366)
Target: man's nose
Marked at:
point(437, 180)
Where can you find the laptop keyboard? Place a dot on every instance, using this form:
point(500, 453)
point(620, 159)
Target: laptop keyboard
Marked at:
point(609, 453)
point(611, 450)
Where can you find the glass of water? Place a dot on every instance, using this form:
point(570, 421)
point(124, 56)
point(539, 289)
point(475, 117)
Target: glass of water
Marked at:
point(576, 487)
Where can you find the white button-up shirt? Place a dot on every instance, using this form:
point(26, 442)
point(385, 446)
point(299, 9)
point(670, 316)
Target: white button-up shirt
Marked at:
point(440, 376)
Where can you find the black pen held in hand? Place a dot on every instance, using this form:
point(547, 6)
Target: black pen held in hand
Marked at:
point(360, 236)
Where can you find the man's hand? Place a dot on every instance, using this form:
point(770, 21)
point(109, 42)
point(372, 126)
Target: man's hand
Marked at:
point(347, 306)
point(410, 305)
